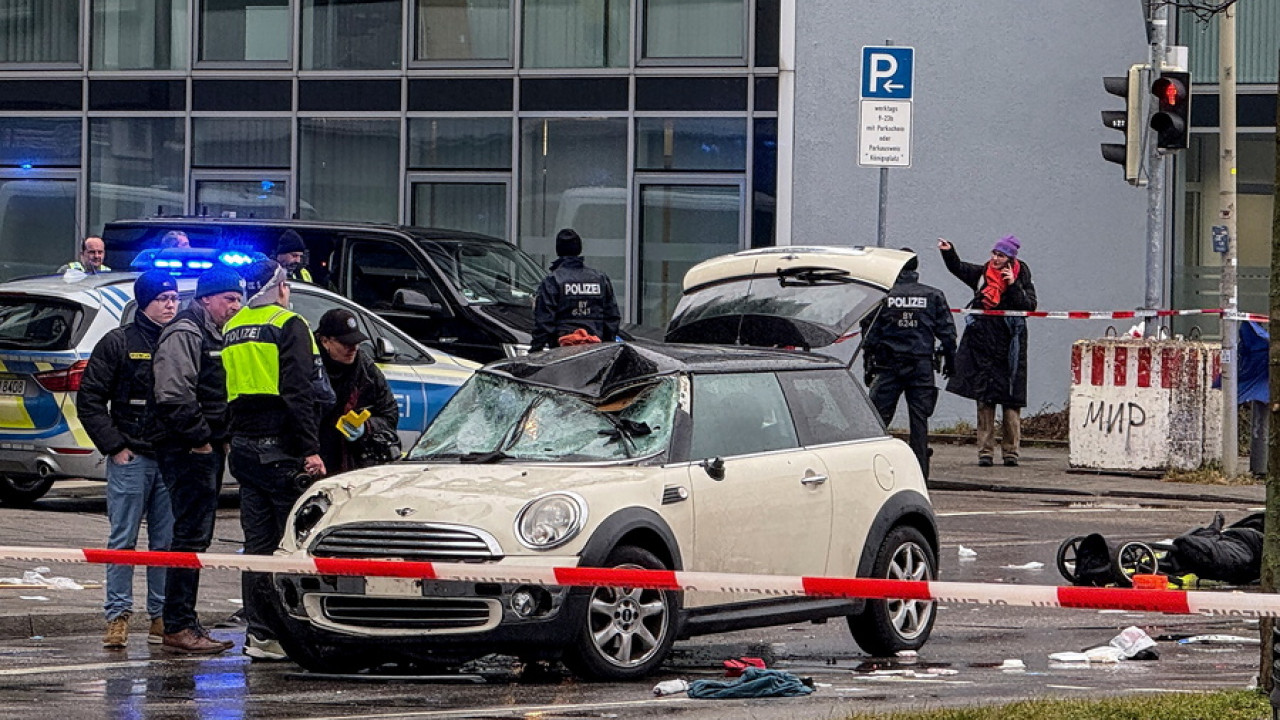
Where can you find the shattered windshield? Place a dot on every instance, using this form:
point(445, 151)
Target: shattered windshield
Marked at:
point(494, 418)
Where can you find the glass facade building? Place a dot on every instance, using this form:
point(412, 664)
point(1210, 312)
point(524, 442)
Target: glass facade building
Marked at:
point(650, 126)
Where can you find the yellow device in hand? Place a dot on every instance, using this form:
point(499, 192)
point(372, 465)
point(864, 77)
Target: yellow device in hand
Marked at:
point(351, 425)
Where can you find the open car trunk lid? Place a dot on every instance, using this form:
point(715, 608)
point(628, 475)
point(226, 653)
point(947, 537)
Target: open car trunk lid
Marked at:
point(803, 297)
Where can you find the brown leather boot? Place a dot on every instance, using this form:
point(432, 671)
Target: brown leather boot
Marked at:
point(191, 642)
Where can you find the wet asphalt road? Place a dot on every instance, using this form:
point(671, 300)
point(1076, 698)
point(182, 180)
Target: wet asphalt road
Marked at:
point(69, 678)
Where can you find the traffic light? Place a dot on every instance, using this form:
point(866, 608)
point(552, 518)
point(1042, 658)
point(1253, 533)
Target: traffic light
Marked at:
point(1172, 118)
point(1127, 121)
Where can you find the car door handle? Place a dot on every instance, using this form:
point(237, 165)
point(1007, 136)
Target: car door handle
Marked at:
point(813, 479)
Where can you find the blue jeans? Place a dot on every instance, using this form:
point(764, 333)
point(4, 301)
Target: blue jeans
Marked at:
point(135, 491)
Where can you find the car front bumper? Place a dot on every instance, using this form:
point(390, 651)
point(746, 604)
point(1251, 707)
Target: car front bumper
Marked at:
point(424, 620)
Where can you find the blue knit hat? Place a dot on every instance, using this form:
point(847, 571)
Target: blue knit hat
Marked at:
point(219, 280)
point(151, 284)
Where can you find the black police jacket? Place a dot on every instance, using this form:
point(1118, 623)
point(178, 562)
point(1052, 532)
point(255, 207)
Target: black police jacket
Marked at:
point(116, 402)
point(914, 319)
point(191, 384)
point(574, 296)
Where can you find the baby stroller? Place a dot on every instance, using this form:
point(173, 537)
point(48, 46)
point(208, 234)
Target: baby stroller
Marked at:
point(1231, 554)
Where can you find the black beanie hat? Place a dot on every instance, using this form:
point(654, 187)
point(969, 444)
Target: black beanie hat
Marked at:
point(568, 244)
point(290, 242)
point(914, 262)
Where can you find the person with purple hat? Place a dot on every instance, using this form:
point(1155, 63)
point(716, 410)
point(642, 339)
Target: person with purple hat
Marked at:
point(991, 362)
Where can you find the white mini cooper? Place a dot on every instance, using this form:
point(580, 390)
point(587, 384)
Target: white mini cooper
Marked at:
point(708, 457)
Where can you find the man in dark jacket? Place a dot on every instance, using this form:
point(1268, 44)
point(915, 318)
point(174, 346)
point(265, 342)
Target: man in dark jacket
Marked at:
point(271, 361)
point(191, 400)
point(913, 325)
point(359, 385)
point(291, 252)
point(116, 403)
point(991, 364)
point(573, 297)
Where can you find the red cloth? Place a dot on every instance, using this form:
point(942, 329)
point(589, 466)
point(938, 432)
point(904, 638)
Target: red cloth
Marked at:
point(994, 286)
point(578, 337)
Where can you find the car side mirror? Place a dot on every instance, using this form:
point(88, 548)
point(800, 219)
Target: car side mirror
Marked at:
point(406, 299)
point(714, 467)
point(383, 350)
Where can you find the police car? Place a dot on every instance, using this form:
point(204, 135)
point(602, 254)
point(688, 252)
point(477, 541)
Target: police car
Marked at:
point(49, 326)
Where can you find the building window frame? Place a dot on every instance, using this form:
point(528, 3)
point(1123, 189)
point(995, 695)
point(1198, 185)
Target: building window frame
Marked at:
point(290, 62)
point(413, 61)
point(413, 178)
point(641, 34)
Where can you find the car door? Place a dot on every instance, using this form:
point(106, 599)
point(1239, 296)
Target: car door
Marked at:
point(771, 512)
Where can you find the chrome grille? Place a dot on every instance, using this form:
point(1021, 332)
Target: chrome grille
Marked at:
point(408, 613)
point(422, 542)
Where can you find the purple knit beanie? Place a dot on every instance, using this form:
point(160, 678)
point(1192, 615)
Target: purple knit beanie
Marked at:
point(1008, 245)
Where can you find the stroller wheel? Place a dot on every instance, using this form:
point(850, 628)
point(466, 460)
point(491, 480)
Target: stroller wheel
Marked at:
point(1134, 558)
point(1068, 551)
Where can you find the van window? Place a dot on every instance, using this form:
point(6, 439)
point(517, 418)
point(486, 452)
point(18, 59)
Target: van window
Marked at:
point(38, 323)
point(378, 269)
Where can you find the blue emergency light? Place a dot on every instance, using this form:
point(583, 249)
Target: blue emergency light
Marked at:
point(192, 261)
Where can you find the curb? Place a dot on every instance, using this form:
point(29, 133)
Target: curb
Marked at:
point(1172, 495)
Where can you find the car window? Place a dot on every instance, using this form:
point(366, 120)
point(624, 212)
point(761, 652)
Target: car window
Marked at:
point(828, 406)
point(377, 269)
point(32, 323)
point(486, 273)
point(312, 306)
point(739, 414)
point(491, 414)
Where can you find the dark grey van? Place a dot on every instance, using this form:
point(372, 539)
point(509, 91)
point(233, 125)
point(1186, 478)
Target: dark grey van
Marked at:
point(470, 295)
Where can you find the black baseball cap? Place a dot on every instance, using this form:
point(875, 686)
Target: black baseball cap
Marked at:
point(341, 325)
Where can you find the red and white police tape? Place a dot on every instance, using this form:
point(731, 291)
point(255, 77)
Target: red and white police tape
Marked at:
point(1111, 314)
point(1165, 601)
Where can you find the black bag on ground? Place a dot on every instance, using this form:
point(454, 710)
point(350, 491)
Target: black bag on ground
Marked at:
point(1093, 562)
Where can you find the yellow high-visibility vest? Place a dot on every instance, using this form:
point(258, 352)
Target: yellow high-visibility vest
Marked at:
point(251, 350)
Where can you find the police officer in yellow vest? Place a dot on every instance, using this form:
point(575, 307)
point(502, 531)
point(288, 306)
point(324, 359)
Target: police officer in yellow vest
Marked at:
point(271, 360)
point(290, 253)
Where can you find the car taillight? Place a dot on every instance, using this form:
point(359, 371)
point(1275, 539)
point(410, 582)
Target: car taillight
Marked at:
point(64, 380)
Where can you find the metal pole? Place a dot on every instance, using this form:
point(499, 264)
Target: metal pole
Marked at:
point(882, 220)
point(882, 216)
point(1227, 217)
point(1159, 23)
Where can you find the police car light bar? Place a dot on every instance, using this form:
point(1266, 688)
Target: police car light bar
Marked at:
point(192, 261)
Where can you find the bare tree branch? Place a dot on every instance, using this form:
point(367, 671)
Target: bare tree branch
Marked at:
point(1204, 10)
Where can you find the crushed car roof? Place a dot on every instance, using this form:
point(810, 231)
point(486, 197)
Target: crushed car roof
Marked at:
point(599, 371)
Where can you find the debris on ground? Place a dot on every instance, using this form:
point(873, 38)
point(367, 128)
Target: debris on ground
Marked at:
point(754, 683)
point(734, 667)
point(39, 579)
point(1220, 639)
point(967, 554)
point(671, 687)
point(1026, 566)
point(1136, 644)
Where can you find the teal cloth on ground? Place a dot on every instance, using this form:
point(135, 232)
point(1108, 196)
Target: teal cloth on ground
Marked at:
point(753, 683)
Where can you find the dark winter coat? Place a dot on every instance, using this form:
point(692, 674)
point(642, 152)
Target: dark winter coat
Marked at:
point(358, 386)
point(191, 384)
point(574, 296)
point(116, 401)
point(914, 321)
point(991, 363)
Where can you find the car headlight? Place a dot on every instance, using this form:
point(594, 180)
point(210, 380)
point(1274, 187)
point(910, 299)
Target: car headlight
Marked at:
point(551, 520)
point(512, 350)
point(309, 514)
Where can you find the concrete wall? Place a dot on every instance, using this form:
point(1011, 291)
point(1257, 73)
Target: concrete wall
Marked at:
point(1006, 135)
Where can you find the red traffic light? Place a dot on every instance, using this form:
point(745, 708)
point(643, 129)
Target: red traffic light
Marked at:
point(1169, 90)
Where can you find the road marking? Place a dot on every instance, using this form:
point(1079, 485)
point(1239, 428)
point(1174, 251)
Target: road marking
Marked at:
point(503, 711)
point(1085, 510)
point(51, 669)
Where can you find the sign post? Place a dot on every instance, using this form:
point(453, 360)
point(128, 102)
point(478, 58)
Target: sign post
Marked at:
point(884, 117)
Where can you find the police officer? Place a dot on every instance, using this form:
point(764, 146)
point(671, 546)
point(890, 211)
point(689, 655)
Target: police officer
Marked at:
point(290, 252)
point(93, 251)
point(271, 362)
point(573, 297)
point(191, 401)
point(913, 325)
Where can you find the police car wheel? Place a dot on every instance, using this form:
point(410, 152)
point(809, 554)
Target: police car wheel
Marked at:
point(885, 627)
point(21, 491)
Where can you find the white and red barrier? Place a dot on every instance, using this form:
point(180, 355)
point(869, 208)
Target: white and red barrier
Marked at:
point(1181, 602)
point(1112, 314)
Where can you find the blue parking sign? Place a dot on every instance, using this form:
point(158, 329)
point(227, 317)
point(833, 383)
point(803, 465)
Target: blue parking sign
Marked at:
point(887, 72)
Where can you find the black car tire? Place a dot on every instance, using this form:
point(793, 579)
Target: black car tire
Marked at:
point(885, 627)
point(21, 492)
point(615, 621)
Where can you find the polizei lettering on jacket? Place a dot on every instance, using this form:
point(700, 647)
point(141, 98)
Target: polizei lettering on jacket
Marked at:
point(243, 334)
point(907, 302)
point(582, 288)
